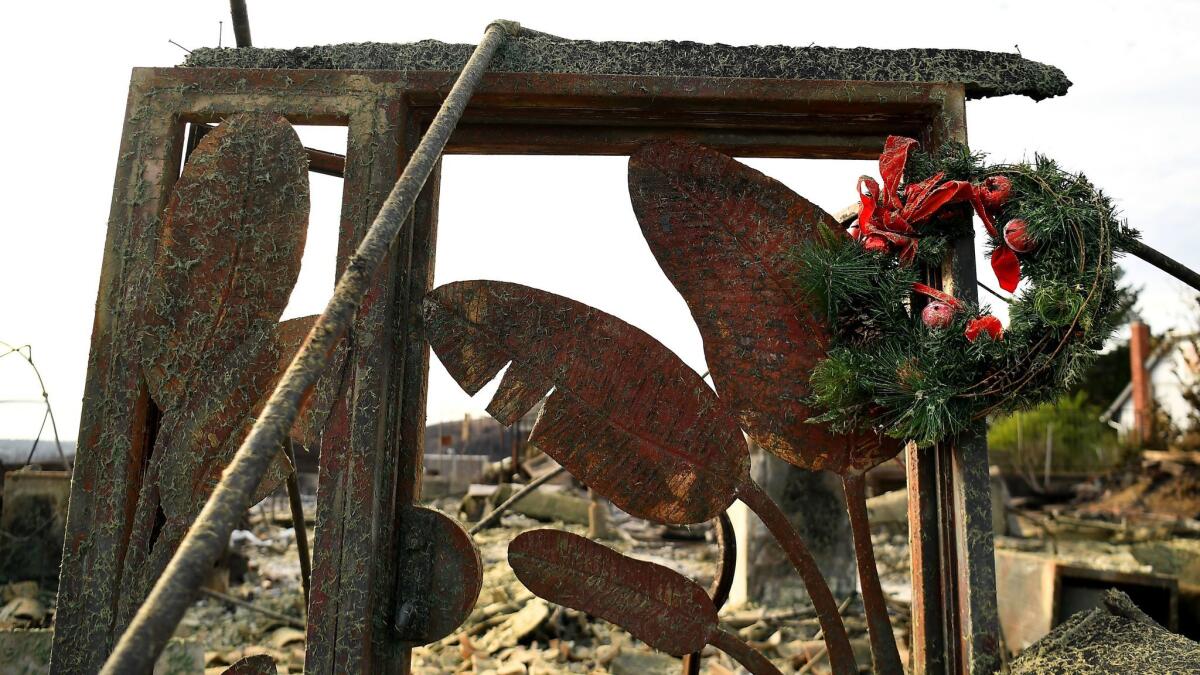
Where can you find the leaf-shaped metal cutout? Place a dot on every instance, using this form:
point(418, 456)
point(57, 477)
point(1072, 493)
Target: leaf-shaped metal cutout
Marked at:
point(626, 416)
point(193, 461)
point(655, 604)
point(193, 448)
point(229, 253)
point(260, 664)
point(442, 575)
point(725, 235)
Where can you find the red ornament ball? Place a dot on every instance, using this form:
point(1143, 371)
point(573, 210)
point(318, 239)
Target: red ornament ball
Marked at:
point(937, 314)
point(853, 231)
point(995, 192)
point(875, 244)
point(1016, 235)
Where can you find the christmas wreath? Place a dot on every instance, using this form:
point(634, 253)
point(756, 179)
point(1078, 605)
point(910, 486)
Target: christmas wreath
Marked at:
point(916, 363)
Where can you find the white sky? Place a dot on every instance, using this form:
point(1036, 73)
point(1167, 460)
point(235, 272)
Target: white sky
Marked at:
point(1129, 122)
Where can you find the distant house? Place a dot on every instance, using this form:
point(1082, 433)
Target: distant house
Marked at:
point(1159, 379)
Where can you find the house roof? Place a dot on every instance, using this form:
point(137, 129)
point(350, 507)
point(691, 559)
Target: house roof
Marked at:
point(983, 73)
point(1156, 358)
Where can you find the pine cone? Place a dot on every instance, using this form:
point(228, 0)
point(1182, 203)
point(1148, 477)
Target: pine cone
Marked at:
point(859, 328)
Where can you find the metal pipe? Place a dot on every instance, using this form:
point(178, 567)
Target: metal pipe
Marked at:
point(1165, 263)
point(241, 22)
point(297, 506)
point(155, 622)
point(238, 602)
point(516, 497)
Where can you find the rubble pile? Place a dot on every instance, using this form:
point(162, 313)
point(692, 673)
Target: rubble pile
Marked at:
point(1115, 638)
point(1168, 485)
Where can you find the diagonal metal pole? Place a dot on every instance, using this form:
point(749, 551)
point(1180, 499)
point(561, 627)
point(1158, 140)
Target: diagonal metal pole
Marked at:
point(155, 622)
point(241, 23)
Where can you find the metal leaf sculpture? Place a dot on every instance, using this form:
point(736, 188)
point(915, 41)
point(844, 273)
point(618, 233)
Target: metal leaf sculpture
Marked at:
point(259, 664)
point(228, 256)
point(726, 236)
point(626, 417)
point(655, 604)
point(444, 574)
point(207, 330)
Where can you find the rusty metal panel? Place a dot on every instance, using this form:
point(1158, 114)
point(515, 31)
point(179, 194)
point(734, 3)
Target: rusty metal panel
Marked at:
point(1026, 609)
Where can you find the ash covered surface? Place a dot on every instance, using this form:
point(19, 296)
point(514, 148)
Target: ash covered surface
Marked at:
point(1117, 638)
point(983, 73)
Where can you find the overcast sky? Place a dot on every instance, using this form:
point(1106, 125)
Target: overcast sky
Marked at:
point(1129, 122)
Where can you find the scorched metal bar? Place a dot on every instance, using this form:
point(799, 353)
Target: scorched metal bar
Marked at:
point(174, 591)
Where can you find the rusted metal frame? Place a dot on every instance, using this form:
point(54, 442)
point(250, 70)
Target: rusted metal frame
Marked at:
point(296, 83)
point(955, 624)
point(518, 113)
point(143, 641)
point(326, 163)
point(159, 108)
point(408, 442)
point(354, 509)
point(110, 461)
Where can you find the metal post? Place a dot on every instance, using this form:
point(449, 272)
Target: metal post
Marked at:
point(155, 622)
point(950, 528)
point(241, 22)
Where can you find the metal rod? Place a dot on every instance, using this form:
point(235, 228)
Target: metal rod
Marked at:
point(883, 642)
point(293, 488)
point(722, 580)
point(841, 656)
point(241, 23)
point(278, 616)
point(750, 658)
point(1165, 263)
point(993, 292)
point(516, 497)
point(155, 622)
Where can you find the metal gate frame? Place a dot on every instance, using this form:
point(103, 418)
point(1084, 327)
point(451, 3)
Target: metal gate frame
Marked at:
point(371, 450)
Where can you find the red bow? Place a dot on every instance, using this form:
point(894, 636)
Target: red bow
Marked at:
point(984, 324)
point(887, 222)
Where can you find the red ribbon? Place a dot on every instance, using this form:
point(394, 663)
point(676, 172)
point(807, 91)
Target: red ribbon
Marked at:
point(884, 217)
point(937, 295)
